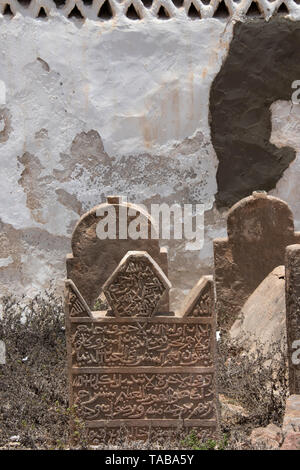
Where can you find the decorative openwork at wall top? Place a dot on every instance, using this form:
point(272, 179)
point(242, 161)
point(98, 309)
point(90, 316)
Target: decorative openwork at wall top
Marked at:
point(134, 369)
point(105, 10)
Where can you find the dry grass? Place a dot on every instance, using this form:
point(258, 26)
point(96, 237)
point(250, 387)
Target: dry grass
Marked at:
point(257, 381)
point(33, 392)
point(33, 385)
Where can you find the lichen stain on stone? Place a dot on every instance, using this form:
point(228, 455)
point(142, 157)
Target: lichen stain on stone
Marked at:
point(5, 125)
point(260, 68)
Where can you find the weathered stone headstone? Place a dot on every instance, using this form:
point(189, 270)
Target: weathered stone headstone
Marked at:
point(292, 272)
point(259, 228)
point(262, 320)
point(137, 372)
point(94, 259)
point(200, 300)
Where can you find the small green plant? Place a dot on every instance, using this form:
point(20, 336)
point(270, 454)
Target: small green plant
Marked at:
point(78, 435)
point(100, 304)
point(193, 442)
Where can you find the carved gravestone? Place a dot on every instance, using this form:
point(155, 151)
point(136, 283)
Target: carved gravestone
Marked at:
point(200, 301)
point(292, 275)
point(94, 259)
point(259, 228)
point(136, 372)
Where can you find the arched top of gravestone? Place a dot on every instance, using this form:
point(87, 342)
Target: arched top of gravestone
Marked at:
point(95, 255)
point(85, 230)
point(259, 217)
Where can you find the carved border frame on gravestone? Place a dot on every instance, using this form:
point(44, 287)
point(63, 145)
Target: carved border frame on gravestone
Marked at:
point(118, 365)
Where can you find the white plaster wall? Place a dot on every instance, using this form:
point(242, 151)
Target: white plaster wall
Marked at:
point(94, 108)
point(144, 88)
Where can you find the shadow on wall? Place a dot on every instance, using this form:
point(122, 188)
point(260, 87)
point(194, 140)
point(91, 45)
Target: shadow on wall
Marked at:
point(262, 63)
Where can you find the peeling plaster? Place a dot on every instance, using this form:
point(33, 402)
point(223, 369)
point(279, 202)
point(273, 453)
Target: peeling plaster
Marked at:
point(261, 65)
point(97, 110)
